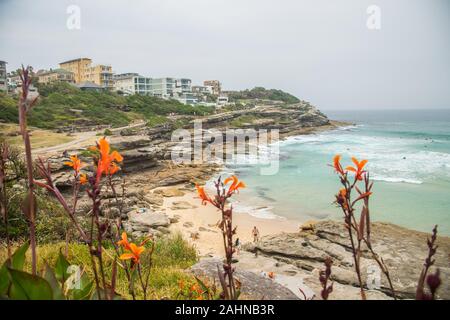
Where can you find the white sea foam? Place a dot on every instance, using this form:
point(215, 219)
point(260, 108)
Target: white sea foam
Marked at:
point(391, 159)
point(262, 212)
point(396, 179)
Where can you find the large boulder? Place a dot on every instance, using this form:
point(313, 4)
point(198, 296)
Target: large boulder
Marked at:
point(253, 285)
point(144, 219)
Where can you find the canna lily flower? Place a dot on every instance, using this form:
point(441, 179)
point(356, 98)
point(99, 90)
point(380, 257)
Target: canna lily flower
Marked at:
point(83, 179)
point(337, 164)
point(124, 242)
point(134, 253)
point(108, 160)
point(75, 163)
point(235, 185)
point(202, 194)
point(196, 289)
point(359, 168)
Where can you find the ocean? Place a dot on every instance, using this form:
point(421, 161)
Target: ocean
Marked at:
point(409, 161)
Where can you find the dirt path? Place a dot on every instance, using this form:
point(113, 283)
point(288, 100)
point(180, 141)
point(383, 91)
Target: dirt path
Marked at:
point(81, 139)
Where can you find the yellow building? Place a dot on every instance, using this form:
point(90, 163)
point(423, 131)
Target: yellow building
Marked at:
point(84, 71)
point(77, 66)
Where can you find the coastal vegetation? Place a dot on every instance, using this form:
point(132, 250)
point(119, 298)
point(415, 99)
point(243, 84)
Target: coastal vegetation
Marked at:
point(261, 93)
point(61, 104)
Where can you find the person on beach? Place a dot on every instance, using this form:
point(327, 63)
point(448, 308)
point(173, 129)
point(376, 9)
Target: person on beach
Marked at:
point(237, 245)
point(255, 234)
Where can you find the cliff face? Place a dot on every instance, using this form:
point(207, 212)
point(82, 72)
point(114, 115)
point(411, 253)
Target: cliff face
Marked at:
point(287, 119)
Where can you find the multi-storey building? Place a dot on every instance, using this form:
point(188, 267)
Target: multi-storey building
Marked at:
point(84, 71)
point(3, 78)
point(55, 75)
point(132, 83)
point(215, 85)
point(173, 88)
point(101, 75)
point(163, 87)
point(78, 67)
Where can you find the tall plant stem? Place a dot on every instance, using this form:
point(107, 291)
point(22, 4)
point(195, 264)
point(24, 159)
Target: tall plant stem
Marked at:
point(355, 258)
point(3, 196)
point(24, 106)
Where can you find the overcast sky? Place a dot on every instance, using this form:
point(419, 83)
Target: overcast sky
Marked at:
point(321, 50)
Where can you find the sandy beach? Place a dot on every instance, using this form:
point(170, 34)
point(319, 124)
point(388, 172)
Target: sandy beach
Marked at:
point(198, 223)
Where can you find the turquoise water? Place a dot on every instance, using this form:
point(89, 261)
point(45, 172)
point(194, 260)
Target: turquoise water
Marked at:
point(409, 160)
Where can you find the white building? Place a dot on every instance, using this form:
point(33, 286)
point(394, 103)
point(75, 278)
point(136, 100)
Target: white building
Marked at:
point(222, 100)
point(132, 83)
point(174, 88)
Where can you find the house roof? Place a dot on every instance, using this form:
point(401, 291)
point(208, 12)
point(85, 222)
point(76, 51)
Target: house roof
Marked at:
point(73, 60)
point(88, 84)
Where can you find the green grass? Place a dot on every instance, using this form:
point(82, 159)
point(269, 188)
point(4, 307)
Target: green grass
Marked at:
point(241, 121)
point(39, 138)
point(172, 256)
point(62, 104)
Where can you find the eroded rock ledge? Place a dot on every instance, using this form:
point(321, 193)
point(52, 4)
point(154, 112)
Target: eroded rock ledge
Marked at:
point(403, 251)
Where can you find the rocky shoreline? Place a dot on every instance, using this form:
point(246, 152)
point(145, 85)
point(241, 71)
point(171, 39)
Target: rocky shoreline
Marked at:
point(296, 258)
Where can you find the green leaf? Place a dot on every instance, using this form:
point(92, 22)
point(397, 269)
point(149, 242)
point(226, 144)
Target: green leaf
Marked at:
point(49, 275)
point(17, 261)
point(61, 267)
point(4, 280)
point(18, 258)
point(25, 286)
point(202, 285)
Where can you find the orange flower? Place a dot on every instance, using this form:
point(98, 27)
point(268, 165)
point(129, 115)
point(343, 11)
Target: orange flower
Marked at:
point(83, 179)
point(196, 288)
point(202, 194)
point(108, 160)
point(337, 164)
point(134, 253)
point(124, 242)
point(359, 168)
point(75, 163)
point(235, 185)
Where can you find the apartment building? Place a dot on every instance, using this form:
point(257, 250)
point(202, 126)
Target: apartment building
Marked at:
point(163, 87)
point(174, 88)
point(50, 76)
point(3, 77)
point(132, 83)
point(84, 71)
point(78, 67)
point(215, 85)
